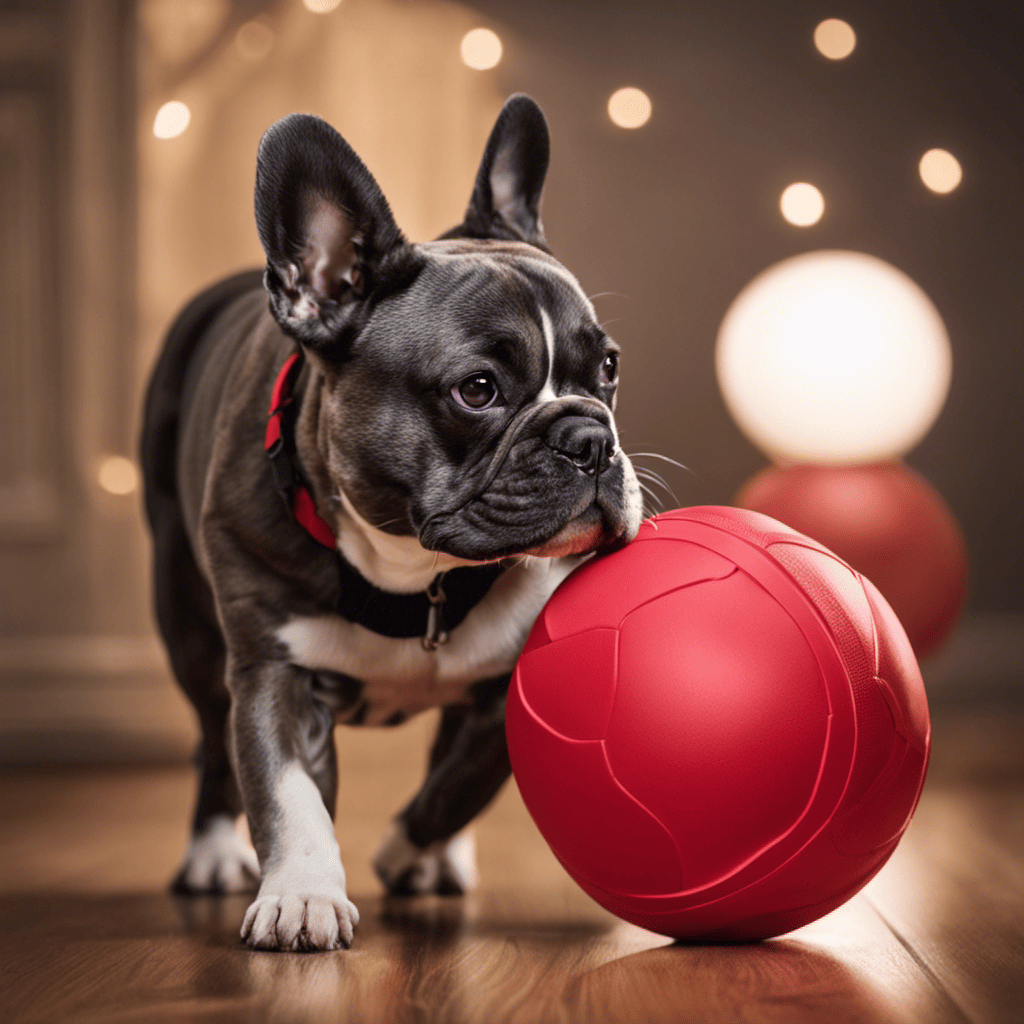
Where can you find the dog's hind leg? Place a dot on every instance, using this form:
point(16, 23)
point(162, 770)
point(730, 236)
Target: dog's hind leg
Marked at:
point(425, 850)
point(218, 858)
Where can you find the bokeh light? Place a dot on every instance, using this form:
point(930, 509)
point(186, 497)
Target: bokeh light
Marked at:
point(118, 475)
point(254, 40)
point(481, 49)
point(321, 6)
point(833, 357)
point(802, 204)
point(835, 39)
point(629, 107)
point(940, 170)
point(171, 120)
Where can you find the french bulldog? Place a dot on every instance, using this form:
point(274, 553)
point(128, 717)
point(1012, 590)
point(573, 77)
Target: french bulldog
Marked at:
point(366, 470)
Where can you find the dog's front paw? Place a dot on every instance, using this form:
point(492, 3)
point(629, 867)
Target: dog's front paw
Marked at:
point(300, 921)
point(447, 868)
point(218, 860)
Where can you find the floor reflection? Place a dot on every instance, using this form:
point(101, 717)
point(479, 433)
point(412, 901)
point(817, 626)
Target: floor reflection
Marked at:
point(731, 983)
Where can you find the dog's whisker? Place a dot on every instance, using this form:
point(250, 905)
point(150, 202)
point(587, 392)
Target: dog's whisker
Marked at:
point(662, 490)
point(380, 526)
point(339, 500)
point(649, 471)
point(657, 455)
point(650, 477)
point(644, 486)
point(643, 471)
point(655, 500)
point(660, 501)
point(649, 474)
point(601, 295)
point(652, 504)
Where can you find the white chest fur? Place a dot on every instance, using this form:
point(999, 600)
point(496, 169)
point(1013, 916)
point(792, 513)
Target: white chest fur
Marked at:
point(398, 674)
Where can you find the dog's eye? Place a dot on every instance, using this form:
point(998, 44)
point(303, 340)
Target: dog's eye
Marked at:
point(610, 369)
point(477, 391)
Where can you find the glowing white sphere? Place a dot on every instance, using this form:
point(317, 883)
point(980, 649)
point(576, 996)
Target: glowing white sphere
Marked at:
point(802, 204)
point(118, 475)
point(940, 170)
point(629, 107)
point(833, 357)
point(835, 38)
point(481, 49)
point(171, 120)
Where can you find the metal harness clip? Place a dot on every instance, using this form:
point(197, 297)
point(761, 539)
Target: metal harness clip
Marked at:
point(436, 634)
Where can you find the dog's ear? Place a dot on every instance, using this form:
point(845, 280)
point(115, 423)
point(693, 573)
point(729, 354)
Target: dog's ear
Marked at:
point(506, 197)
point(324, 224)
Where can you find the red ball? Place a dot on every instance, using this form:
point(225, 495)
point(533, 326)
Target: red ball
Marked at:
point(721, 729)
point(886, 521)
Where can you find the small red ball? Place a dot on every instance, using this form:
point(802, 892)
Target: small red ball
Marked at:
point(886, 521)
point(721, 729)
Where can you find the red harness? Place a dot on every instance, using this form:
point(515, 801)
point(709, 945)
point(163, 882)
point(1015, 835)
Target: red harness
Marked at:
point(282, 459)
point(429, 614)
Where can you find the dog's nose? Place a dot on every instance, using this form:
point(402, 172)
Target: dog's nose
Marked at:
point(584, 440)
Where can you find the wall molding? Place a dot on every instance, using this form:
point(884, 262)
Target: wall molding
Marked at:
point(983, 662)
point(90, 699)
point(30, 507)
point(73, 699)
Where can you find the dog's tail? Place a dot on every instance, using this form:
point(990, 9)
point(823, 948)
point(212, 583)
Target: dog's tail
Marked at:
point(159, 443)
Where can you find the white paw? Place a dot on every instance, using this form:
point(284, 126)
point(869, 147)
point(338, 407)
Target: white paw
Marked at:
point(218, 860)
point(447, 867)
point(320, 918)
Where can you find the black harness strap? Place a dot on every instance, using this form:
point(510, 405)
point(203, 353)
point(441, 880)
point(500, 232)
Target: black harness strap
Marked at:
point(430, 613)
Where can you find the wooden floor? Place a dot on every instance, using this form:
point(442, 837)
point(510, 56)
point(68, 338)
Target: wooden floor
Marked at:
point(88, 933)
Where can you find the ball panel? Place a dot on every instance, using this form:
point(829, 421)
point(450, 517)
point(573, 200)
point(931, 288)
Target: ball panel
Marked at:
point(570, 684)
point(876, 734)
point(900, 672)
point(836, 590)
point(720, 722)
point(838, 593)
point(754, 527)
point(881, 816)
point(603, 591)
point(807, 887)
point(593, 826)
point(538, 635)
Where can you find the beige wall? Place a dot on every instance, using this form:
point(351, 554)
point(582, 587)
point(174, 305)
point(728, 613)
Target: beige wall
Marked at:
point(75, 657)
point(107, 232)
point(386, 73)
